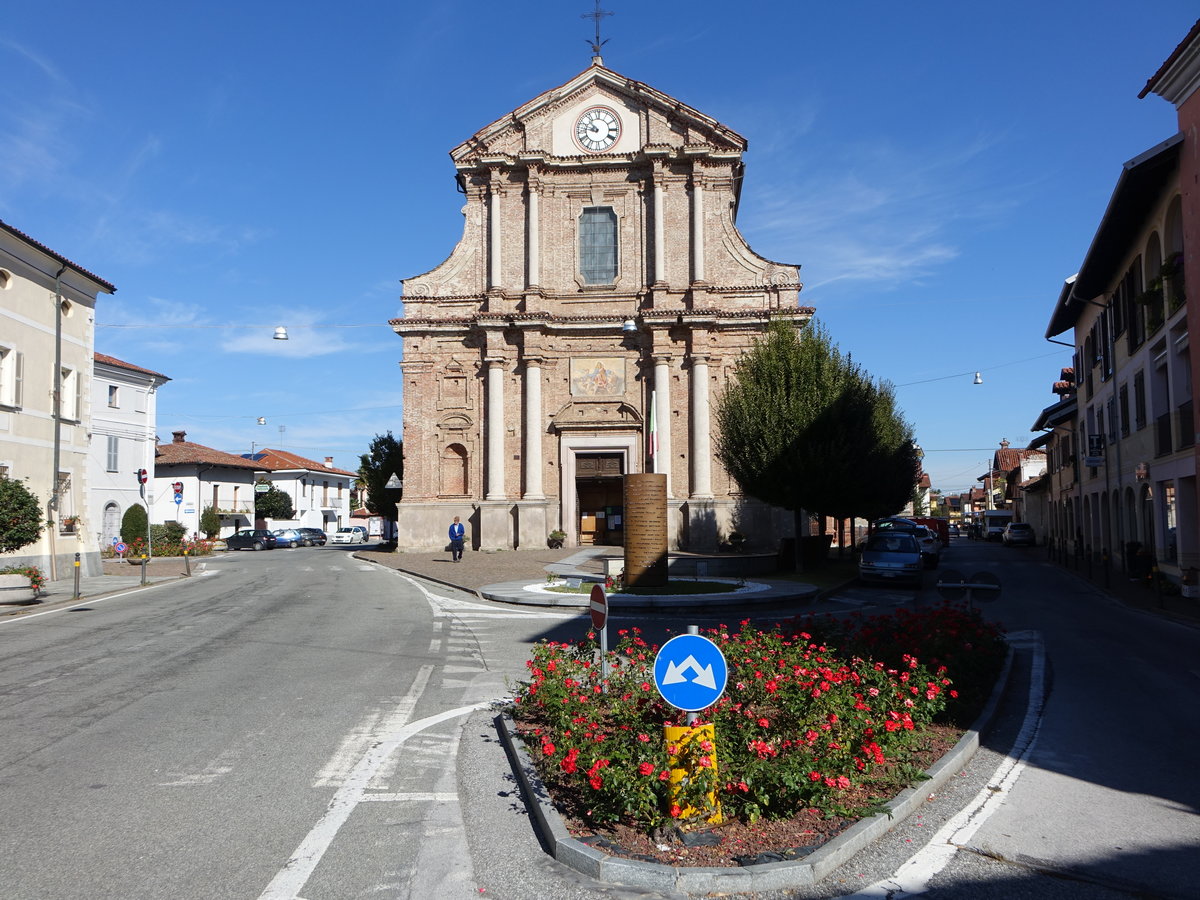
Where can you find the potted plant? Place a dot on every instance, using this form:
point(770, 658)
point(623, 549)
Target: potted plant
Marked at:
point(69, 523)
point(20, 584)
point(555, 539)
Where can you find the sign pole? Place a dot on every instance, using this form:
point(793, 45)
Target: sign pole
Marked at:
point(598, 607)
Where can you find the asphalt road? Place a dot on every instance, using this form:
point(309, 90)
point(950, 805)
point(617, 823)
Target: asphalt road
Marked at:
point(304, 724)
point(213, 737)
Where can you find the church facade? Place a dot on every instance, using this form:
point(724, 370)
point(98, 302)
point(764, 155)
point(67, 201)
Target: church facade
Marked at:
point(584, 325)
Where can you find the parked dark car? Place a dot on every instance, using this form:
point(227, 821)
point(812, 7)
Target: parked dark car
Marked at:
point(289, 537)
point(314, 536)
point(891, 555)
point(251, 539)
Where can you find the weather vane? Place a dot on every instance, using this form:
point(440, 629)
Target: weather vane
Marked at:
point(597, 14)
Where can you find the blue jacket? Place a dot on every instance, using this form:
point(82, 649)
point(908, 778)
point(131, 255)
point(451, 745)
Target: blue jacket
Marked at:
point(457, 531)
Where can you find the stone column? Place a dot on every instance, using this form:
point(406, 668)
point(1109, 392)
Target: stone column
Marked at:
point(697, 227)
point(533, 236)
point(660, 253)
point(701, 437)
point(533, 429)
point(662, 413)
point(494, 260)
point(494, 423)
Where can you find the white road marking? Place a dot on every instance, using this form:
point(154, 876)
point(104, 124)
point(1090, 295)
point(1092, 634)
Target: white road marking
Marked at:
point(16, 620)
point(444, 607)
point(914, 876)
point(290, 880)
point(415, 797)
point(372, 728)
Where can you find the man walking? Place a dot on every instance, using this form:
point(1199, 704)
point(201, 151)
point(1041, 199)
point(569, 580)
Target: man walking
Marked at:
point(457, 536)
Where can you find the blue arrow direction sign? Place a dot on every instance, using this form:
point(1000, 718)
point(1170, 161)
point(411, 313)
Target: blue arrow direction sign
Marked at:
point(690, 672)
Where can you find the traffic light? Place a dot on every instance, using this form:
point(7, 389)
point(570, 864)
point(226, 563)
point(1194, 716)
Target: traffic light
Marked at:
point(142, 475)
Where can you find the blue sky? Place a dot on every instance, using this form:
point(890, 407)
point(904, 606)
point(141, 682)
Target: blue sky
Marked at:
point(938, 169)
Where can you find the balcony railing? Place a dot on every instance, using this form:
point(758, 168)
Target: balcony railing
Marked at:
point(1187, 426)
point(1162, 435)
point(236, 509)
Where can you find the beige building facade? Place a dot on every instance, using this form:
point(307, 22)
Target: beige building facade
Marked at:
point(47, 330)
point(584, 325)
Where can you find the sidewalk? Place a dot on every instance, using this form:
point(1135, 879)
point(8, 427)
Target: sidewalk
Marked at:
point(518, 576)
point(1137, 594)
point(118, 576)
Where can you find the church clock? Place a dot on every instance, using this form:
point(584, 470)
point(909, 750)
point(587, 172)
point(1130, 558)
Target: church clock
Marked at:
point(597, 129)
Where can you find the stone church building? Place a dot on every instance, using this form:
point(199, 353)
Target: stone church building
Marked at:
point(600, 273)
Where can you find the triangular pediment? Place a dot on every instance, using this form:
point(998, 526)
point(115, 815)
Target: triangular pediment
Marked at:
point(549, 124)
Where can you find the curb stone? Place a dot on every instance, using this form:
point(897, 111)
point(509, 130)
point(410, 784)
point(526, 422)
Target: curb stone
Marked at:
point(761, 877)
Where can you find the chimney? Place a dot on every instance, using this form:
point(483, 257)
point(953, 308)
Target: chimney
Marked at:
point(178, 436)
point(329, 462)
point(1004, 444)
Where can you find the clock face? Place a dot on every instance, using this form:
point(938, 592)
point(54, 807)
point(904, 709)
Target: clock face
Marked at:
point(597, 129)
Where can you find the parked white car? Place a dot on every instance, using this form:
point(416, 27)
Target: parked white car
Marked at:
point(351, 534)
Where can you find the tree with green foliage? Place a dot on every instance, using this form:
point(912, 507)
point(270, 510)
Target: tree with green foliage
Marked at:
point(20, 515)
point(210, 522)
point(273, 504)
point(134, 524)
point(384, 459)
point(803, 427)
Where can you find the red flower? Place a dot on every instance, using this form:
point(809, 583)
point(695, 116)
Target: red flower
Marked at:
point(646, 769)
point(676, 810)
point(596, 782)
point(764, 723)
point(548, 748)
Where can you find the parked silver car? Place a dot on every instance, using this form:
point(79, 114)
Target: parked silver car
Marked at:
point(891, 556)
point(1018, 534)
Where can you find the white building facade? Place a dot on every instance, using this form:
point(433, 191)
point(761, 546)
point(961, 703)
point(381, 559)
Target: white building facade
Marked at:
point(320, 493)
point(124, 414)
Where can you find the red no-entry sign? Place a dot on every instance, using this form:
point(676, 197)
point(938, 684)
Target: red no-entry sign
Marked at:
point(599, 606)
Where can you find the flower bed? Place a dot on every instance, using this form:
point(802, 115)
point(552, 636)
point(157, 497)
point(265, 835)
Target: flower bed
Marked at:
point(808, 730)
point(137, 547)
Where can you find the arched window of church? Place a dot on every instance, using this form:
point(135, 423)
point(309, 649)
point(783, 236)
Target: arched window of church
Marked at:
point(598, 245)
point(454, 470)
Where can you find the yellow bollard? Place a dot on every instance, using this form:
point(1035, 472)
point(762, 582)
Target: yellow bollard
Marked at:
point(686, 747)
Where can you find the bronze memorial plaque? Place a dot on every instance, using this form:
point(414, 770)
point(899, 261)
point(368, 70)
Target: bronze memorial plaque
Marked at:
point(646, 530)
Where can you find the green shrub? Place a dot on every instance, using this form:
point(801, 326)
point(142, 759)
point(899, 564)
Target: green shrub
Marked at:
point(210, 522)
point(20, 515)
point(133, 524)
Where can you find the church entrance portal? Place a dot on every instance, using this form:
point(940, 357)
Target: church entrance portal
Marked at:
point(599, 488)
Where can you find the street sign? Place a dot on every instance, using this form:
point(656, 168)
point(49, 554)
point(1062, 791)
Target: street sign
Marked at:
point(261, 488)
point(178, 499)
point(1095, 445)
point(986, 586)
point(116, 540)
point(690, 672)
point(599, 606)
point(949, 585)
point(120, 546)
point(394, 483)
